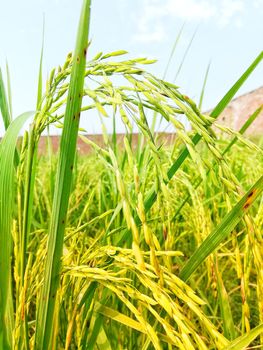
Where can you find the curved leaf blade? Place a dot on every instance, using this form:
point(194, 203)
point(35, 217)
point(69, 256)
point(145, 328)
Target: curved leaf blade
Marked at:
point(242, 342)
point(222, 231)
point(46, 308)
point(7, 183)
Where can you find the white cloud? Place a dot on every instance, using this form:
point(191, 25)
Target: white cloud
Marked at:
point(145, 34)
point(230, 9)
point(155, 13)
point(258, 4)
point(190, 9)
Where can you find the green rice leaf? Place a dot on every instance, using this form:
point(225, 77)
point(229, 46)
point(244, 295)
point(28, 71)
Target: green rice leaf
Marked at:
point(173, 50)
point(4, 108)
point(203, 87)
point(40, 79)
point(46, 309)
point(9, 94)
point(185, 55)
point(7, 184)
point(242, 342)
point(222, 231)
point(96, 325)
point(225, 308)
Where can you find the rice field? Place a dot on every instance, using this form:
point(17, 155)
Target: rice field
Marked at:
point(146, 245)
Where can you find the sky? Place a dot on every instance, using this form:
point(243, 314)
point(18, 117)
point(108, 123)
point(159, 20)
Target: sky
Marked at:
point(227, 33)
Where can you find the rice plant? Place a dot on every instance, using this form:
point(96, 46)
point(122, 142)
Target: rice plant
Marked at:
point(133, 246)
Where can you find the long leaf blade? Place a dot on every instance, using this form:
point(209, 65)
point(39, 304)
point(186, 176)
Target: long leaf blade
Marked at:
point(222, 230)
point(45, 313)
point(7, 182)
point(5, 111)
point(242, 342)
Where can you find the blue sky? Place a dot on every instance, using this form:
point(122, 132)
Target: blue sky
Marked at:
point(228, 33)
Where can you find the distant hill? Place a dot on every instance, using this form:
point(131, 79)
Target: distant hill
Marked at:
point(239, 110)
point(84, 148)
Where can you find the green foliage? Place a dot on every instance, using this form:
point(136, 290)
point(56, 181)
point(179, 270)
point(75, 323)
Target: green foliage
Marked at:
point(7, 193)
point(95, 251)
point(45, 313)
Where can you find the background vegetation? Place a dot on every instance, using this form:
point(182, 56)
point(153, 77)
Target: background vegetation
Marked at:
point(130, 247)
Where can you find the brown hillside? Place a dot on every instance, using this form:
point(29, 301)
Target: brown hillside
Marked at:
point(239, 110)
point(84, 148)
